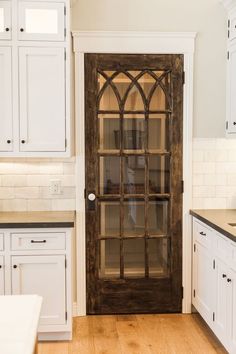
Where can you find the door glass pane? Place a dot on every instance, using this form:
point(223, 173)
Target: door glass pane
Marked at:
point(134, 258)
point(146, 81)
point(133, 134)
point(122, 83)
point(158, 217)
point(158, 133)
point(2, 29)
point(159, 174)
point(109, 175)
point(108, 100)
point(134, 217)
point(158, 100)
point(134, 174)
point(109, 265)
point(41, 21)
point(158, 257)
point(109, 132)
point(134, 101)
point(109, 218)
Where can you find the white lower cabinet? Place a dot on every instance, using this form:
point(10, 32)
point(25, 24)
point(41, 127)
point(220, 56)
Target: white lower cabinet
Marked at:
point(31, 274)
point(214, 283)
point(38, 261)
point(2, 275)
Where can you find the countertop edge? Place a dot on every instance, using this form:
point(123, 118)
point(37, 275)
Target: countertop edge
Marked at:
point(32, 225)
point(213, 225)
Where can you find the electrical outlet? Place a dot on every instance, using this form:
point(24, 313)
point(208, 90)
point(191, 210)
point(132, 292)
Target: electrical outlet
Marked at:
point(55, 186)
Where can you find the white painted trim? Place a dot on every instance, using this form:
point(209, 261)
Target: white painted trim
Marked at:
point(143, 43)
point(228, 4)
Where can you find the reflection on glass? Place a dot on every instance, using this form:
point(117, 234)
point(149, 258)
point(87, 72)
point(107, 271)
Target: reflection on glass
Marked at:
point(158, 132)
point(159, 174)
point(158, 100)
point(109, 167)
point(41, 21)
point(122, 83)
point(158, 257)
point(108, 101)
point(109, 264)
point(134, 101)
point(109, 132)
point(109, 218)
point(134, 174)
point(2, 20)
point(146, 81)
point(134, 217)
point(133, 134)
point(134, 258)
point(158, 217)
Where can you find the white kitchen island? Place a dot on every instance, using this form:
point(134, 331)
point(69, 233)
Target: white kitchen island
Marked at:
point(19, 317)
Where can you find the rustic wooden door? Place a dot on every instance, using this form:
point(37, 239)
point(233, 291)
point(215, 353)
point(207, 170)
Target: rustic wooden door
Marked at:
point(134, 111)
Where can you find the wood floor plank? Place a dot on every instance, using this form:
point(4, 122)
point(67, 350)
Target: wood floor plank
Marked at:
point(138, 334)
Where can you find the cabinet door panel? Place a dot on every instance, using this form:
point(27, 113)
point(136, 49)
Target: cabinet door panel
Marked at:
point(5, 99)
point(1, 275)
point(5, 20)
point(203, 282)
point(44, 276)
point(232, 312)
point(41, 21)
point(42, 99)
point(231, 90)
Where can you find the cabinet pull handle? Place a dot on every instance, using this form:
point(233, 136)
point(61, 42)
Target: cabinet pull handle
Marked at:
point(224, 275)
point(15, 266)
point(22, 29)
point(7, 29)
point(40, 241)
point(202, 233)
point(229, 280)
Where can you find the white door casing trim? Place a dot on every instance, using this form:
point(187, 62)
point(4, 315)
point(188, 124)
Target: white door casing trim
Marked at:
point(132, 43)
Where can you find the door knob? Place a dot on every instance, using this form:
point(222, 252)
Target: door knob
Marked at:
point(91, 197)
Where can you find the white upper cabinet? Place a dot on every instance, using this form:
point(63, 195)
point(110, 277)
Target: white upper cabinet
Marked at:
point(5, 20)
point(41, 21)
point(5, 99)
point(42, 99)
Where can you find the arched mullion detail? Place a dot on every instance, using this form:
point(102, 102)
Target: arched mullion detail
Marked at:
point(158, 83)
point(110, 83)
point(134, 82)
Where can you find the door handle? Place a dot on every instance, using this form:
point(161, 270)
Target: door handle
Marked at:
point(91, 201)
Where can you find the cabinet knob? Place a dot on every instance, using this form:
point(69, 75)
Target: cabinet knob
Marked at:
point(229, 280)
point(234, 123)
point(22, 141)
point(7, 29)
point(22, 29)
point(15, 266)
point(9, 141)
point(224, 275)
point(0, 266)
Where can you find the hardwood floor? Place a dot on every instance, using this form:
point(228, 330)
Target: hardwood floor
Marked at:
point(137, 334)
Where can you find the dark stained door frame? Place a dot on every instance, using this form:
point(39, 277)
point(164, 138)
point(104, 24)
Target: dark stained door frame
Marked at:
point(147, 294)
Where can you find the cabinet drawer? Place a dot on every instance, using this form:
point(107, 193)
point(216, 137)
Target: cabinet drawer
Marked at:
point(202, 233)
point(1, 242)
point(38, 241)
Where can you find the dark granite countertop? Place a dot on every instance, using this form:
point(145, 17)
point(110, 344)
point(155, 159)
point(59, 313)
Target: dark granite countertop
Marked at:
point(218, 219)
point(37, 219)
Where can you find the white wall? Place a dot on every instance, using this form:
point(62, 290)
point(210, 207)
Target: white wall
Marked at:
point(207, 17)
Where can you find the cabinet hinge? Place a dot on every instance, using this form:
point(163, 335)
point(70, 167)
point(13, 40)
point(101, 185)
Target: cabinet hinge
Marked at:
point(228, 33)
point(65, 32)
point(183, 77)
point(214, 264)
point(65, 143)
point(182, 186)
point(64, 10)
point(194, 247)
point(65, 55)
point(182, 292)
point(228, 23)
point(213, 316)
point(65, 263)
point(66, 316)
point(228, 55)
point(227, 125)
point(194, 293)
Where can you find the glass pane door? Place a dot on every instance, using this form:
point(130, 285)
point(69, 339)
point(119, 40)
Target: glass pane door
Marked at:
point(41, 21)
point(130, 143)
point(5, 20)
